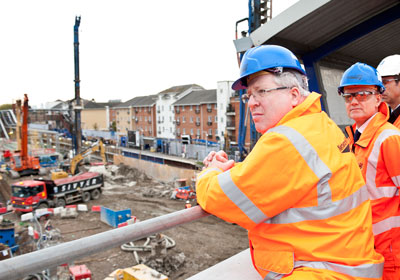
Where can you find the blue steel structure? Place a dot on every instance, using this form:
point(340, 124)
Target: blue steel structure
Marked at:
point(255, 20)
point(77, 136)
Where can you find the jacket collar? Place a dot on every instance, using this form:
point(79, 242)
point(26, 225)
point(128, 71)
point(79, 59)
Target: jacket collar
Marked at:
point(310, 105)
point(380, 118)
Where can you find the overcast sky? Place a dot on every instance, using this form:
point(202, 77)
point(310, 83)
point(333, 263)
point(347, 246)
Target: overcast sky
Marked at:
point(127, 48)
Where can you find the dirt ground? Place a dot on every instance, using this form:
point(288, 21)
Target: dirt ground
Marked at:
point(199, 244)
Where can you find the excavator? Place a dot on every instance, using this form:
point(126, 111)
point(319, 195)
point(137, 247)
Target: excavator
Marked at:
point(21, 162)
point(72, 168)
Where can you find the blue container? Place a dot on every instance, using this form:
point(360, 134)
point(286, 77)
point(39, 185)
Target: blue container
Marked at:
point(7, 235)
point(114, 218)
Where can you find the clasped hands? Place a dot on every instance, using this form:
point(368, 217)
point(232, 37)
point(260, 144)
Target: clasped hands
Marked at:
point(218, 159)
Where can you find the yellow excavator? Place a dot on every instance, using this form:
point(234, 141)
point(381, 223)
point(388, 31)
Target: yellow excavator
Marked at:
point(73, 166)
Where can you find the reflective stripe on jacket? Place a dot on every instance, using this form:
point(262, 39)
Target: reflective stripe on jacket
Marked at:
point(302, 198)
point(378, 155)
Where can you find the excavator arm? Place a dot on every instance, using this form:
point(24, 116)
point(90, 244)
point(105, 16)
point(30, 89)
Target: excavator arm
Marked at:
point(98, 146)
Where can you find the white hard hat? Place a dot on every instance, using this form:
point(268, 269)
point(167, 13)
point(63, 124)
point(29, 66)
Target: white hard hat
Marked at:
point(389, 66)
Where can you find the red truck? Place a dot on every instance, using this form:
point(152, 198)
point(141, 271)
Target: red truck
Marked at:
point(29, 195)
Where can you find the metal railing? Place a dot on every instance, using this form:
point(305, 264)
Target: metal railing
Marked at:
point(51, 257)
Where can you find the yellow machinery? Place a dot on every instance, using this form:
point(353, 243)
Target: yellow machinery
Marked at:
point(73, 167)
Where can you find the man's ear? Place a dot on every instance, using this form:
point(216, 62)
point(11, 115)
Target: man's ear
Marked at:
point(296, 96)
point(378, 99)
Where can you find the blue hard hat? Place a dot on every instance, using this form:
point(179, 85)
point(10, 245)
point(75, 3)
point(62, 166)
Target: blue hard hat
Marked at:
point(361, 74)
point(265, 57)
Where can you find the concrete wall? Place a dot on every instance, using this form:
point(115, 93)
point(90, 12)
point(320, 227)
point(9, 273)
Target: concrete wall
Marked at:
point(160, 172)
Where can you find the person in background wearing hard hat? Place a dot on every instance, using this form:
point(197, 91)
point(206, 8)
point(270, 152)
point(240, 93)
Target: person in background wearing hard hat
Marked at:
point(299, 192)
point(389, 69)
point(376, 144)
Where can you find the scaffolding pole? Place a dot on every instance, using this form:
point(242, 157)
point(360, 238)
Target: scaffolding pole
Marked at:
point(51, 257)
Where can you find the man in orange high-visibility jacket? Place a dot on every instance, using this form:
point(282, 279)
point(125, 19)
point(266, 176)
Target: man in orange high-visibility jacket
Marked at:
point(389, 69)
point(377, 149)
point(299, 192)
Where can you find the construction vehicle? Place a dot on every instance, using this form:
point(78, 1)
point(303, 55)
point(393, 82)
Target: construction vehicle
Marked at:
point(21, 162)
point(72, 168)
point(34, 194)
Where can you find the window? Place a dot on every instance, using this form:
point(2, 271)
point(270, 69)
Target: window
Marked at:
point(183, 108)
point(183, 120)
point(198, 119)
point(209, 118)
point(216, 106)
point(145, 118)
point(216, 132)
point(163, 128)
point(210, 132)
point(162, 107)
point(216, 119)
point(183, 131)
point(170, 118)
point(208, 106)
point(191, 107)
point(170, 129)
point(178, 130)
point(191, 131)
point(191, 119)
point(198, 132)
point(222, 119)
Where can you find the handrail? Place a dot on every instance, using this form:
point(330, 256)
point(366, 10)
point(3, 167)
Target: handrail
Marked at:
point(48, 258)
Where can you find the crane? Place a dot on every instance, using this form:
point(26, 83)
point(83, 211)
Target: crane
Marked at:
point(21, 162)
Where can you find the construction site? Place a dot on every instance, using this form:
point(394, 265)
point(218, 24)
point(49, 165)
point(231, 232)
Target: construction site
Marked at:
point(120, 202)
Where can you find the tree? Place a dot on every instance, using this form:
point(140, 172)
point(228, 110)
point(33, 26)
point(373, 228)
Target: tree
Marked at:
point(6, 107)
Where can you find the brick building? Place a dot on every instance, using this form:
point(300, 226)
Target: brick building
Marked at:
point(196, 115)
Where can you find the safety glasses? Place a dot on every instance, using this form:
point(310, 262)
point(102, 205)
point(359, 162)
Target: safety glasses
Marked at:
point(360, 96)
point(259, 93)
point(386, 81)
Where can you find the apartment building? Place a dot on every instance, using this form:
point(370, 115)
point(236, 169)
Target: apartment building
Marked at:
point(144, 115)
point(196, 115)
point(224, 94)
point(124, 115)
point(165, 110)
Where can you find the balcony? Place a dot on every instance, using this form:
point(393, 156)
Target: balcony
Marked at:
point(230, 126)
point(197, 111)
point(209, 110)
point(178, 122)
point(177, 111)
point(209, 123)
point(197, 123)
point(230, 110)
point(149, 121)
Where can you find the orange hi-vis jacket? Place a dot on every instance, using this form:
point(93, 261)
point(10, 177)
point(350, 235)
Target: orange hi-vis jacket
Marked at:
point(302, 198)
point(378, 155)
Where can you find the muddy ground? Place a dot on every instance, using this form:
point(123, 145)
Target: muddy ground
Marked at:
point(199, 244)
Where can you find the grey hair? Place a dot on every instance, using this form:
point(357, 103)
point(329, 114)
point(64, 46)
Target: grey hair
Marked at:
point(291, 78)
